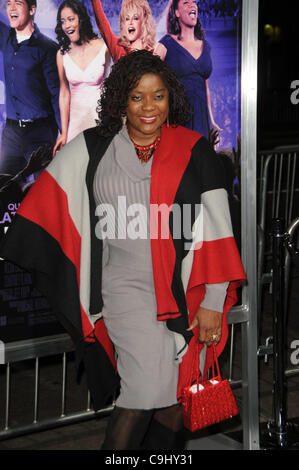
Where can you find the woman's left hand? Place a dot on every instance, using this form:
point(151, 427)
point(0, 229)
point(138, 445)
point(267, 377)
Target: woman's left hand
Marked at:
point(209, 323)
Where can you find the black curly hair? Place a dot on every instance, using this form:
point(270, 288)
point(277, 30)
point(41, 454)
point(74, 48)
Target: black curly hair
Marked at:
point(124, 77)
point(85, 26)
point(173, 25)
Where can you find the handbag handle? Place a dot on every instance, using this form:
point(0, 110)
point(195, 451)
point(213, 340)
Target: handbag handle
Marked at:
point(196, 362)
point(215, 361)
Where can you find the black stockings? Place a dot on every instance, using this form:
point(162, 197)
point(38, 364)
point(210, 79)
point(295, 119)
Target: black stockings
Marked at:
point(166, 430)
point(126, 429)
point(144, 429)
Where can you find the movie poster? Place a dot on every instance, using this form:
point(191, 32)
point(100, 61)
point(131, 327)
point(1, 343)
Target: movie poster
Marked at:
point(212, 85)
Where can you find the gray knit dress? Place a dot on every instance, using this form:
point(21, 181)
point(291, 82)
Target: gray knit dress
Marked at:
point(145, 348)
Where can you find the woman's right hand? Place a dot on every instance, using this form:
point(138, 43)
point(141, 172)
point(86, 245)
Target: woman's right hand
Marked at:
point(60, 142)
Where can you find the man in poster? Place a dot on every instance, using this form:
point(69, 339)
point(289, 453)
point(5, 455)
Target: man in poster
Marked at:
point(32, 87)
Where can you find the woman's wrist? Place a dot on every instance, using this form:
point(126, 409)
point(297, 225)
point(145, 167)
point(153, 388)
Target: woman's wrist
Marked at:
point(63, 135)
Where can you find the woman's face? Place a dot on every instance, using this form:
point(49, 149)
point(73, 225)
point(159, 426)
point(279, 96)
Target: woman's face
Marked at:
point(147, 109)
point(70, 24)
point(187, 12)
point(133, 24)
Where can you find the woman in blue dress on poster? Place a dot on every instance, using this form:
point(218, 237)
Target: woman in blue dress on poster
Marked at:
point(187, 52)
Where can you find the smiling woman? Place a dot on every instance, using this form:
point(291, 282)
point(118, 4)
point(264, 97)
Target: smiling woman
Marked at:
point(147, 109)
point(157, 295)
point(152, 161)
point(187, 52)
point(136, 25)
point(83, 62)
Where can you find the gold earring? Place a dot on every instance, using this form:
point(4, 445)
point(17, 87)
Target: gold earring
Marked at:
point(124, 120)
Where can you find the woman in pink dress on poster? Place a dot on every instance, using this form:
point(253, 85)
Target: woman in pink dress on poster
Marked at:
point(136, 25)
point(83, 62)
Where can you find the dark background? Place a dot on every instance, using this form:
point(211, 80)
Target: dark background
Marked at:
point(278, 118)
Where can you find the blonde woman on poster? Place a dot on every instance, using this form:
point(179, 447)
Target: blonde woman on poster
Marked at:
point(185, 49)
point(83, 62)
point(137, 27)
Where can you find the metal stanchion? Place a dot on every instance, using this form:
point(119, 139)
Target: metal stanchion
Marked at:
point(280, 433)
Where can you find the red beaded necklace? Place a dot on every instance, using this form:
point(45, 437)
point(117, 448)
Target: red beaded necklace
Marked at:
point(145, 152)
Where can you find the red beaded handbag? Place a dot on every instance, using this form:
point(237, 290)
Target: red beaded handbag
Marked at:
point(208, 402)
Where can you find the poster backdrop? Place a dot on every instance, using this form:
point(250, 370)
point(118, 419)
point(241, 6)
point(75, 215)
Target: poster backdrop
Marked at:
point(24, 313)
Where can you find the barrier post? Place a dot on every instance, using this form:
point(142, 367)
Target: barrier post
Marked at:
point(279, 428)
point(280, 433)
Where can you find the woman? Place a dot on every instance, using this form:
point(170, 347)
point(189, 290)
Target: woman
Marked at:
point(83, 63)
point(118, 243)
point(187, 52)
point(136, 25)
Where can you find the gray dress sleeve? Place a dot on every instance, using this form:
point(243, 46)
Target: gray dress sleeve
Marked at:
point(215, 296)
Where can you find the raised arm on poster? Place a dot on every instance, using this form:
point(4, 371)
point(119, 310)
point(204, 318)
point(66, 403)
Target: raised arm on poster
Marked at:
point(137, 27)
point(83, 62)
point(31, 87)
point(185, 49)
point(16, 187)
